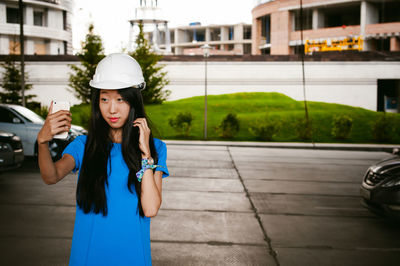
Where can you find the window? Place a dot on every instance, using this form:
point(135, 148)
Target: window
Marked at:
point(265, 28)
point(12, 15)
point(339, 16)
point(307, 19)
point(200, 35)
point(14, 47)
point(6, 116)
point(215, 34)
point(65, 47)
point(266, 51)
point(38, 18)
point(388, 12)
point(247, 48)
point(231, 33)
point(382, 44)
point(298, 49)
point(247, 32)
point(40, 47)
point(64, 20)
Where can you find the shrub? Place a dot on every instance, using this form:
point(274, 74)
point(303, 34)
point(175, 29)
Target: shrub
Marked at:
point(182, 123)
point(341, 126)
point(383, 128)
point(265, 130)
point(303, 129)
point(229, 126)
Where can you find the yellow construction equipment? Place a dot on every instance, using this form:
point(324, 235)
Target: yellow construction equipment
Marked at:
point(346, 44)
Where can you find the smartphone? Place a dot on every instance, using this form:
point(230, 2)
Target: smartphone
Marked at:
point(57, 106)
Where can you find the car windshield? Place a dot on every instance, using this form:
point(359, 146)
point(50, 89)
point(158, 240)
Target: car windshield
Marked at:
point(29, 115)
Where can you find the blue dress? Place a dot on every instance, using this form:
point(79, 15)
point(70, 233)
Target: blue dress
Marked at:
point(122, 237)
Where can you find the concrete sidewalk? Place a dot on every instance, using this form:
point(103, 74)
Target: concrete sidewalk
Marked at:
point(290, 145)
point(224, 203)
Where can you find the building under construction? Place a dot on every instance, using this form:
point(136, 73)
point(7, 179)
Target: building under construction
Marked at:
point(327, 25)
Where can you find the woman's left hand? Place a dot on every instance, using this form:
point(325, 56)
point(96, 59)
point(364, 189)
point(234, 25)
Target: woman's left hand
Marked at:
point(144, 136)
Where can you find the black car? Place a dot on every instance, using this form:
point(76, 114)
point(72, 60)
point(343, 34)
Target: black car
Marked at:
point(11, 151)
point(380, 189)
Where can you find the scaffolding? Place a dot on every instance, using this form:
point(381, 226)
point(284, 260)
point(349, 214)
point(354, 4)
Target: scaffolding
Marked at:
point(346, 44)
point(148, 13)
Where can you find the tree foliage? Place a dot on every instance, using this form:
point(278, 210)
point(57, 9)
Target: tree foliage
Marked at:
point(229, 126)
point(11, 83)
point(91, 54)
point(153, 75)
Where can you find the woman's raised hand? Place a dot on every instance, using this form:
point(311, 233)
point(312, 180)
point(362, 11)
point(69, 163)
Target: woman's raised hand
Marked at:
point(144, 135)
point(54, 124)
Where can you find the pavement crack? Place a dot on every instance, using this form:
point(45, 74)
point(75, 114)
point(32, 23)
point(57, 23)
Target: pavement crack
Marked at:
point(271, 250)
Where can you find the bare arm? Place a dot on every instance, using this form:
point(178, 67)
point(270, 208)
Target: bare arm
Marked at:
point(55, 123)
point(151, 182)
point(151, 196)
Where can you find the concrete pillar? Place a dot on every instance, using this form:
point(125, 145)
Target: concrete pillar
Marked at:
point(369, 15)
point(3, 13)
point(30, 46)
point(280, 26)
point(255, 36)
point(4, 44)
point(167, 39)
point(394, 44)
point(156, 37)
point(28, 15)
point(131, 42)
point(179, 38)
point(317, 19)
point(224, 37)
point(224, 33)
point(208, 34)
point(238, 37)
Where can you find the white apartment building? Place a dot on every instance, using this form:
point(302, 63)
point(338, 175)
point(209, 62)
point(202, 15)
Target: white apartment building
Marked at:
point(229, 39)
point(47, 27)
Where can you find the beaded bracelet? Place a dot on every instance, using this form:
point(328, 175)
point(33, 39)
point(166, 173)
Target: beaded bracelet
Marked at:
point(145, 165)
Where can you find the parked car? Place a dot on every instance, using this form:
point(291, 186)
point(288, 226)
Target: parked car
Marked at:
point(27, 124)
point(380, 188)
point(11, 151)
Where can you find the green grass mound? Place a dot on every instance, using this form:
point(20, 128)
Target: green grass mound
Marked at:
point(253, 107)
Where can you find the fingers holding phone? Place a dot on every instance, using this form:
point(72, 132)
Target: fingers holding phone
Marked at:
point(57, 123)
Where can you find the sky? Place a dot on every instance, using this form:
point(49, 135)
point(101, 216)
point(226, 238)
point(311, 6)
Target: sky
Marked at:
point(110, 18)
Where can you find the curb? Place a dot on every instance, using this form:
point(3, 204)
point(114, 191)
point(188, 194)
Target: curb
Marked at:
point(289, 145)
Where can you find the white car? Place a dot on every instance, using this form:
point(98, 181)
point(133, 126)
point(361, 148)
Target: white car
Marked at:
point(27, 124)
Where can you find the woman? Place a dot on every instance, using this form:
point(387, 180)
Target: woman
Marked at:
point(117, 193)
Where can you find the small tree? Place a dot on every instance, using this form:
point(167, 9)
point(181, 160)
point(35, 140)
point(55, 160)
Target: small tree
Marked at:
point(153, 75)
point(91, 54)
point(11, 84)
point(229, 126)
point(383, 128)
point(182, 123)
point(341, 126)
point(265, 129)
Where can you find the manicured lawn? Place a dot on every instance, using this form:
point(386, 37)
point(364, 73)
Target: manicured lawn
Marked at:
point(251, 107)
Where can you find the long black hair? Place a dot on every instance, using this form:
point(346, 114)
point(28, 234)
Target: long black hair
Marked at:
point(90, 191)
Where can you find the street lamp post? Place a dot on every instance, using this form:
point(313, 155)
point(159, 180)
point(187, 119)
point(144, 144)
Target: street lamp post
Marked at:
point(22, 49)
point(206, 52)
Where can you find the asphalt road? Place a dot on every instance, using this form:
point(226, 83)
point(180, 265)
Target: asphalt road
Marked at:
point(221, 206)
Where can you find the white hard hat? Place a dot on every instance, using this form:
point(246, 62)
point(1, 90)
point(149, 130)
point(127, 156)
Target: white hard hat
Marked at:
point(118, 71)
